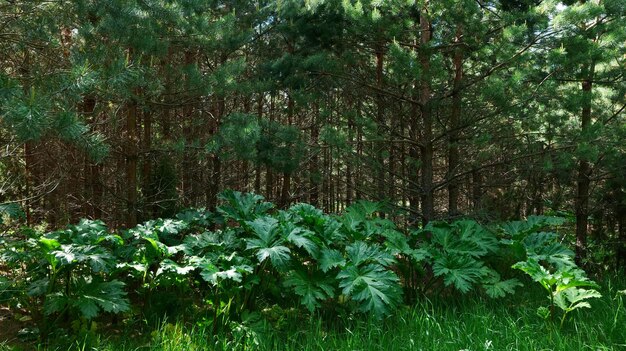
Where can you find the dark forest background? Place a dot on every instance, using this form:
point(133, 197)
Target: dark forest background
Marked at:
point(130, 110)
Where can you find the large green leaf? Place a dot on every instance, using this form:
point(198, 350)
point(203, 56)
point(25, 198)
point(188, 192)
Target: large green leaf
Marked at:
point(459, 271)
point(170, 266)
point(396, 242)
point(90, 298)
point(49, 244)
point(545, 247)
point(168, 228)
point(264, 228)
point(496, 288)
point(109, 296)
point(360, 252)
point(364, 209)
point(11, 210)
point(375, 288)
point(536, 271)
point(464, 237)
point(574, 298)
point(242, 207)
point(330, 259)
point(472, 232)
point(312, 288)
point(278, 255)
point(267, 243)
point(196, 216)
point(308, 214)
point(98, 259)
point(301, 237)
point(517, 229)
point(214, 275)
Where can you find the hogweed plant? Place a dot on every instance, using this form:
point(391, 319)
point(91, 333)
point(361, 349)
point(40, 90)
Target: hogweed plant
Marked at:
point(551, 264)
point(568, 288)
point(248, 256)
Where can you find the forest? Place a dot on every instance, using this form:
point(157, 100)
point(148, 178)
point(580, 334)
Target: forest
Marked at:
point(312, 174)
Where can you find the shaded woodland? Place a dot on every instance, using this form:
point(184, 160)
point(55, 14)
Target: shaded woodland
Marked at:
point(495, 110)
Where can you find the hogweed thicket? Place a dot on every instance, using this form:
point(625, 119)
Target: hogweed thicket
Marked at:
point(248, 256)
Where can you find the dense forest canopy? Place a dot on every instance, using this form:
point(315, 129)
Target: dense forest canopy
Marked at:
point(130, 110)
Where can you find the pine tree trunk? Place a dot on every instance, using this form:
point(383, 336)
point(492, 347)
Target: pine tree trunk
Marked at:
point(584, 173)
point(269, 173)
point(348, 161)
point(166, 110)
point(188, 155)
point(216, 175)
point(284, 194)
point(358, 179)
point(314, 167)
point(245, 164)
point(380, 121)
point(146, 171)
point(257, 167)
point(92, 171)
point(414, 155)
point(29, 161)
point(620, 253)
point(428, 196)
point(29, 156)
point(455, 117)
point(477, 191)
point(131, 163)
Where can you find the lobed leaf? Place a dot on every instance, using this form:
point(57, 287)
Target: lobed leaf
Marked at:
point(330, 259)
point(459, 271)
point(375, 288)
point(311, 288)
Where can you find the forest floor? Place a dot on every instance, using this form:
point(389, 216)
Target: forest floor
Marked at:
point(467, 323)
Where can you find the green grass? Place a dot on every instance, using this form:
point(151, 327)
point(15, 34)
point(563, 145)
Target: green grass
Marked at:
point(469, 323)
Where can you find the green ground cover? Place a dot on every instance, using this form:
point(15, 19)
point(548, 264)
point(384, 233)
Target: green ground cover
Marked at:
point(250, 277)
point(468, 323)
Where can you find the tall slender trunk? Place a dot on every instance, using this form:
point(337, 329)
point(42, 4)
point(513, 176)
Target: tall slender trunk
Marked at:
point(620, 213)
point(348, 161)
point(414, 155)
point(428, 197)
point(269, 173)
point(257, 167)
point(131, 163)
point(404, 176)
point(537, 183)
point(584, 172)
point(166, 111)
point(92, 170)
point(284, 194)
point(29, 161)
point(216, 176)
point(146, 170)
point(477, 191)
point(314, 167)
point(245, 164)
point(380, 121)
point(455, 117)
point(391, 161)
point(358, 179)
point(326, 179)
point(332, 182)
point(29, 156)
point(188, 130)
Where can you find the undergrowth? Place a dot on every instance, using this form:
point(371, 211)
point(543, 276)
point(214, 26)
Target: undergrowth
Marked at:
point(248, 272)
point(465, 323)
